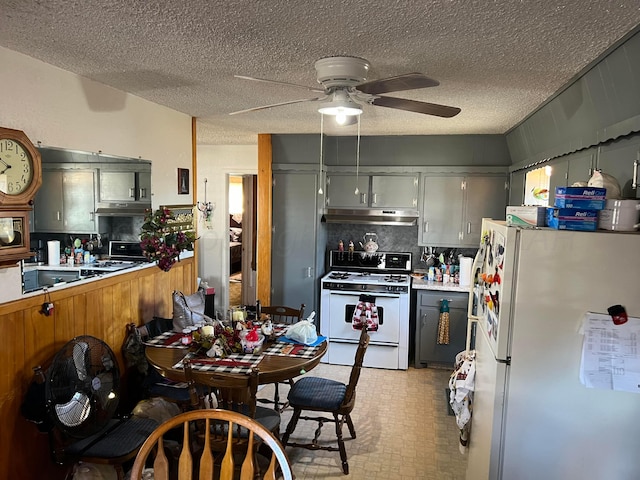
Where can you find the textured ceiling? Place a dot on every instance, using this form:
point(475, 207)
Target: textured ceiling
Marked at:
point(496, 60)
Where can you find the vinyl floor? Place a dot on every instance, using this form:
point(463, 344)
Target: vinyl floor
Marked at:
point(402, 424)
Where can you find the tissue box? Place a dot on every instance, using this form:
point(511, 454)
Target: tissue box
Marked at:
point(572, 219)
point(587, 198)
point(526, 216)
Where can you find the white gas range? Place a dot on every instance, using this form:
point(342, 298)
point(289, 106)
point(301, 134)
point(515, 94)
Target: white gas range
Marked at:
point(356, 276)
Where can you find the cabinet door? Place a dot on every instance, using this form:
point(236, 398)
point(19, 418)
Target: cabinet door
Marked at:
point(394, 191)
point(144, 186)
point(117, 186)
point(78, 200)
point(485, 197)
point(558, 178)
point(48, 207)
point(442, 209)
point(341, 191)
point(580, 170)
point(516, 188)
point(294, 240)
point(428, 350)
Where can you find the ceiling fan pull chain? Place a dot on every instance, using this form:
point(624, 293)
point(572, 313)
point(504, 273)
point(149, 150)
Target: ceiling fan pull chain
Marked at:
point(358, 158)
point(321, 135)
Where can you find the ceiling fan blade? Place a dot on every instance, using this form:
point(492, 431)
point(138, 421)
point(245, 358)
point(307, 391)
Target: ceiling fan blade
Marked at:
point(408, 81)
point(276, 82)
point(255, 109)
point(418, 107)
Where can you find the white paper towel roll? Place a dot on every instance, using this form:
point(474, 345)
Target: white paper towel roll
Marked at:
point(466, 263)
point(53, 252)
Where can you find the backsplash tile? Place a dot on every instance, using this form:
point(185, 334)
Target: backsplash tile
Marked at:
point(390, 239)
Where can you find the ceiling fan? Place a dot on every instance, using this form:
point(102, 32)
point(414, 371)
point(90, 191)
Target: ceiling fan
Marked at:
point(344, 90)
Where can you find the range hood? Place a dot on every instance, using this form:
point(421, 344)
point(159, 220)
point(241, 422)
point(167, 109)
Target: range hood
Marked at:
point(406, 218)
point(122, 209)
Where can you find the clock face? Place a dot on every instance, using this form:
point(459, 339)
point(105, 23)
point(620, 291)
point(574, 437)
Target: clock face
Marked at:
point(16, 167)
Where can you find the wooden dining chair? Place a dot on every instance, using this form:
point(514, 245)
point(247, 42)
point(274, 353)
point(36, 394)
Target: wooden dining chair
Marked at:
point(324, 395)
point(204, 465)
point(287, 316)
point(233, 392)
point(282, 314)
point(236, 392)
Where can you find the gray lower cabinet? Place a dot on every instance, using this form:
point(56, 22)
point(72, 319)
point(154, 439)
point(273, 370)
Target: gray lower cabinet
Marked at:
point(295, 261)
point(66, 202)
point(428, 351)
point(375, 191)
point(453, 208)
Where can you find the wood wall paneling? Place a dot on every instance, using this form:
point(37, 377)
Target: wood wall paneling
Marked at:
point(102, 309)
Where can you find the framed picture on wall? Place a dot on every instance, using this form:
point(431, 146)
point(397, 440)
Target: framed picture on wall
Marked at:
point(183, 181)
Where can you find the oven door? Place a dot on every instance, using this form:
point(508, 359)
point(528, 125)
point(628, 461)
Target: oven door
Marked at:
point(341, 307)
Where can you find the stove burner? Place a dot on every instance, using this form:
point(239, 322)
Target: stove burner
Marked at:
point(339, 275)
point(394, 278)
point(364, 274)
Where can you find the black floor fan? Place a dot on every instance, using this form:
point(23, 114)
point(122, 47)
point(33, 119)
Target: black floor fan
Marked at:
point(82, 396)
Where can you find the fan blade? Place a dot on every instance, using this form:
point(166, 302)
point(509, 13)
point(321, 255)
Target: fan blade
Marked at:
point(276, 82)
point(418, 107)
point(79, 352)
point(255, 109)
point(409, 81)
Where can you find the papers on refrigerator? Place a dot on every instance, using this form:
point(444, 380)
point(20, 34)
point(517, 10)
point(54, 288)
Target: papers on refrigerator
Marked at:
point(610, 353)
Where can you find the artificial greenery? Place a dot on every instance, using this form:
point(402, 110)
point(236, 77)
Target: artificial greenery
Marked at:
point(163, 242)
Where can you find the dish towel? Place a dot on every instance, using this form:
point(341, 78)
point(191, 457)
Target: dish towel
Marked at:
point(365, 312)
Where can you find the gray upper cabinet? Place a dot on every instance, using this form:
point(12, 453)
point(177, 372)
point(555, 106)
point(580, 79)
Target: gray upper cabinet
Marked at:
point(516, 188)
point(66, 202)
point(124, 186)
point(453, 208)
point(375, 191)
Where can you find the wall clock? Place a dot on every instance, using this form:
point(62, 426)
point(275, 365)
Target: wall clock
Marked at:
point(20, 179)
point(20, 168)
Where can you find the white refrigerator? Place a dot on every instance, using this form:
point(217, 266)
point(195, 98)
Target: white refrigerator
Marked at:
point(532, 418)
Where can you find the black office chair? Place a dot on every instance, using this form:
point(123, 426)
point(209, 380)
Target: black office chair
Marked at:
point(324, 395)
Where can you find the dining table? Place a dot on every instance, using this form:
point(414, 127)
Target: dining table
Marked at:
point(279, 360)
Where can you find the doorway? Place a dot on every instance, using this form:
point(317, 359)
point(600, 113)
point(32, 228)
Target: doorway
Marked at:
point(242, 239)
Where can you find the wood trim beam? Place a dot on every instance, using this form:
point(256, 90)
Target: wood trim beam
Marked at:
point(263, 260)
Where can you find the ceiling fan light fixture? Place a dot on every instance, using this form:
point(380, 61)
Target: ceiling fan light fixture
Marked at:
point(341, 106)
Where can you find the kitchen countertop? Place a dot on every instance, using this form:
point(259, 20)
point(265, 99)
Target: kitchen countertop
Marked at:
point(422, 284)
point(82, 280)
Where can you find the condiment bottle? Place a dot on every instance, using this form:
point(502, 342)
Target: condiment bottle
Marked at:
point(186, 338)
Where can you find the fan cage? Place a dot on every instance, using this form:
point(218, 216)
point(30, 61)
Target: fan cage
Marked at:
point(83, 386)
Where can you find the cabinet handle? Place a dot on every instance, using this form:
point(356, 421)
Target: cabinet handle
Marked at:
point(142, 193)
point(374, 199)
point(308, 272)
point(92, 216)
point(426, 227)
point(634, 183)
point(468, 228)
point(363, 198)
point(58, 215)
point(132, 192)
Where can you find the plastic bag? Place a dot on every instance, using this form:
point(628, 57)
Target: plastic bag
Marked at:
point(304, 331)
point(604, 180)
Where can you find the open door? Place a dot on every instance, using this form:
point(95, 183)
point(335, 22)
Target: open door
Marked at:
point(242, 239)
